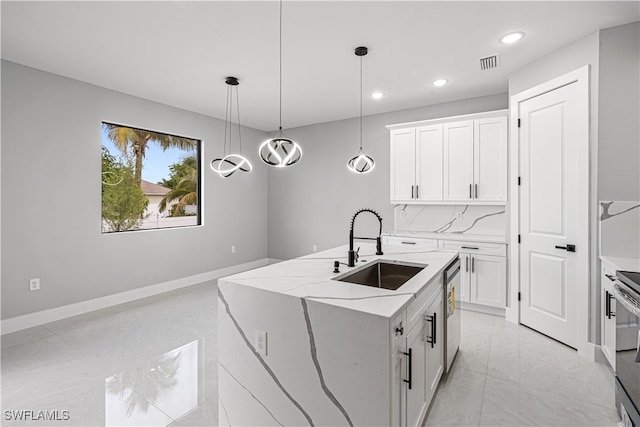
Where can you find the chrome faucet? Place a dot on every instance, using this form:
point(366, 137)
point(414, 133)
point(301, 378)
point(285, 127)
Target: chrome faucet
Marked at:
point(353, 255)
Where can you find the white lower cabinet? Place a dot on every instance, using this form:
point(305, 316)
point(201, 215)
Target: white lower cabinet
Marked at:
point(418, 364)
point(608, 310)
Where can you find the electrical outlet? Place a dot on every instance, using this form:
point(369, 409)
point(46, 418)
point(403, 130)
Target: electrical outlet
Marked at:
point(402, 214)
point(314, 248)
point(261, 342)
point(458, 215)
point(233, 249)
point(34, 284)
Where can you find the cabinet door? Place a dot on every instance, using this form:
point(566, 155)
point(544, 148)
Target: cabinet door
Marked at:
point(488, 280)
point(464, 290)
point(398, 388)
point(608, 325)
point(417, 400)
point(490, 159)
point(435, 354)
point(429, 162)
point(403, 164)
point(458, 160)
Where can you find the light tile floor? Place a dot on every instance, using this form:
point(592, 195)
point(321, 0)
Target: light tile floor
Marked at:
point(153, 362)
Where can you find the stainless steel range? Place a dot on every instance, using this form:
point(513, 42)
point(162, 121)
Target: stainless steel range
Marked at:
point(627, 288)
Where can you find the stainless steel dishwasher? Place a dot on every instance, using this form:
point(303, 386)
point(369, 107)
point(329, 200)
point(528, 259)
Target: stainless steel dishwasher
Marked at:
point(452, 325)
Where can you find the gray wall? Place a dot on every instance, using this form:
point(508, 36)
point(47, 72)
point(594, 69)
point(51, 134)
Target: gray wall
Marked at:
point(313, 201)
point(619, 113)
point(51, 197)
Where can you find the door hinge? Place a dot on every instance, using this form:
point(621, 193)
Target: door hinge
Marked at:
point(518, 238)
point(519, 181)
point(518, 122)
point(519, 296)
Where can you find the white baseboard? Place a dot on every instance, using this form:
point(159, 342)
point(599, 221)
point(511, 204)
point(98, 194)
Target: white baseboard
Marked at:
point(481, 308)
point(30, 320)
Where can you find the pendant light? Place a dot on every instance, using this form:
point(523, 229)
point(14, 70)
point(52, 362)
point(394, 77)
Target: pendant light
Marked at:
point(280, 152)
point(361, 163)
point(228, 164)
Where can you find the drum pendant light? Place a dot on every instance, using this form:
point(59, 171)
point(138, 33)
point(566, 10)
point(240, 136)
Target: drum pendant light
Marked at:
point(280, 152)
point(230, 163)
point(361, 163)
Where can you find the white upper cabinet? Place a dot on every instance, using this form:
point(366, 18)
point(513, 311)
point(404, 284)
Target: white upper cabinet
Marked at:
point(450, 160)
point(458, 159)
point(490, 159)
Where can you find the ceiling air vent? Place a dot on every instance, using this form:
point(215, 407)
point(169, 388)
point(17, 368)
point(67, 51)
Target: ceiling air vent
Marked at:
point(489, 62)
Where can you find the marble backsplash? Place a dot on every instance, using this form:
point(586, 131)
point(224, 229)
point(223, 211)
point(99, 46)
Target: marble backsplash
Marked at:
point(620, 229)
point(475, 219)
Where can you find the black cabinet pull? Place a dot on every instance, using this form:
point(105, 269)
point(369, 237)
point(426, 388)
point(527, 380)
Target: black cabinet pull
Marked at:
point(473, 264)
point(417, 191)
point(466, 268)
point(470, 196)
point(469, 247)
point(611, 313)
point(409, 380)
point(607, 305)
point(408, 243)
point(399, 330)
point(476, 191)
point(433, 319)
point(568, 248)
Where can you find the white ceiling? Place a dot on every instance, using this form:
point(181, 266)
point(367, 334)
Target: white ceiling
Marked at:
point(179, 52)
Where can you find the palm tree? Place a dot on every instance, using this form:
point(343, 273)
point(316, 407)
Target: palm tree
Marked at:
point(186, 191)
point(138, 139)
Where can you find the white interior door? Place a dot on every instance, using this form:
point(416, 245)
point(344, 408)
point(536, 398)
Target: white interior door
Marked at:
point(403, 164)
point(550, 214)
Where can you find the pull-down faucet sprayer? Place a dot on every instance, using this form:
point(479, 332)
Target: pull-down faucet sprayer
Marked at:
point(352, 254)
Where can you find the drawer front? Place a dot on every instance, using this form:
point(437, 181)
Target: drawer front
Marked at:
point(411, 242)
point(416, 308)
point(398, 330)
point(474, 247)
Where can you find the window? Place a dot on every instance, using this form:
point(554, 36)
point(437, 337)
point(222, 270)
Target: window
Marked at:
point(149, 179)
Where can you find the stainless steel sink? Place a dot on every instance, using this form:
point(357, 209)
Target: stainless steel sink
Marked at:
point(383, 274)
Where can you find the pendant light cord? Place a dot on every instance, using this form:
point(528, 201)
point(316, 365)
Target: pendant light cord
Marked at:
point(239, 132)
point(361, 103)
point(280, 70)
point(227, 122)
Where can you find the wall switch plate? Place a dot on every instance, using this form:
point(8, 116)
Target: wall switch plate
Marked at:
point(458, 215)
point(233, 249)
point(314, 248)
point(34, 284)
point(402, 214)
point(261, 342)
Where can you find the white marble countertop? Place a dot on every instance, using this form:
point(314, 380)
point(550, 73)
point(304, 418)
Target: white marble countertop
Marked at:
point(622, 264)
point(310, 277)
point(482, 238)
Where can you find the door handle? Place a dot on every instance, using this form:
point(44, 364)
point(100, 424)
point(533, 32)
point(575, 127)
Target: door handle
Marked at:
point(568, 248)
point(409, 380)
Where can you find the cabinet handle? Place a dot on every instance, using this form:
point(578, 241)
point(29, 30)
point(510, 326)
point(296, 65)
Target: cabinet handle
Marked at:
point(470, 196)
point(408, 243)
point(417, 191)
point(610, 277)
point(466, 259)
point(476, 190)
point(433, 319)
point(469, 247)
point(607, 305)
point(399, 330)
point(473, 264)
point(609, 298)
point(409, 380)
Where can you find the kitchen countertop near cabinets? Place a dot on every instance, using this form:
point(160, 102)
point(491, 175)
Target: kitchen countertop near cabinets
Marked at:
point(622, 264)
point(482, 238)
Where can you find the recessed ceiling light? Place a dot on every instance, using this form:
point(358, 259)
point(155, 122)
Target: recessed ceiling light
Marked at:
point(440, 82)
point(377, 95)
point(511, 37)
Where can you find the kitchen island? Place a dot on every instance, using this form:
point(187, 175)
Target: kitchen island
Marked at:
point(297, 347)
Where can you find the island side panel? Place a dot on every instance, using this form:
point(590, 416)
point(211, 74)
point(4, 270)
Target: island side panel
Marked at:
point(325, 365)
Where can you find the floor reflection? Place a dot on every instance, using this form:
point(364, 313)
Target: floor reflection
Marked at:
point(168, 382)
